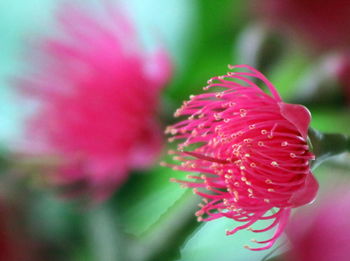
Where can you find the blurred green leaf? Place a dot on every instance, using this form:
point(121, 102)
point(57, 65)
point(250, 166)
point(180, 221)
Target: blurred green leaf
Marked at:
point(168, 235)
point(4, 160)
point(211, 47)
point(331, 120)
point(211, 243)
point(53, 218)
point(145, 198)
point(102, 231)
point(286, 73)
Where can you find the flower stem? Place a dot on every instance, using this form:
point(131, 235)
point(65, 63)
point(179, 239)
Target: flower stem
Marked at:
point(327, 145)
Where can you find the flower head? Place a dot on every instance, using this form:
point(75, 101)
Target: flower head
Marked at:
point(98, 95)
point(250, 148)
point(322, 232)
point(322, 23)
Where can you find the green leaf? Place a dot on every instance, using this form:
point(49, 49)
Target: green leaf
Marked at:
point(5, 162)
point(145, 198)
point(210, 50)
point(211, 243)
point(331, 120)
point(286, 74)
point(163, 241)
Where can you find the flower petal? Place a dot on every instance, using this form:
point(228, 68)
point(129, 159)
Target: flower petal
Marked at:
point(298, 115)
point(307, 194)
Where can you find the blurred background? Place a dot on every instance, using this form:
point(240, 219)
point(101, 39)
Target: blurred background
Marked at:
point(84, 201)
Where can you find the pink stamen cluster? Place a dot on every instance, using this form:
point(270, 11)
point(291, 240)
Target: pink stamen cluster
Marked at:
point(251, 150)
point(99, 94)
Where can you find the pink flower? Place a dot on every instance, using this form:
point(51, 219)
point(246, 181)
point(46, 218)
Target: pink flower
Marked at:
point(323, 23)
point(251, 149)
point(322, 233)
point(98, 95)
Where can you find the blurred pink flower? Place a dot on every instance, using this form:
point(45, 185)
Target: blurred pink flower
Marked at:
point(98, 95)
point(322, 233)
point(251, 149)
point(322, 23)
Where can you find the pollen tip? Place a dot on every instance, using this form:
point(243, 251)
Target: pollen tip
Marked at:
point(274, 163)
point(266, 200)
point(268, 181)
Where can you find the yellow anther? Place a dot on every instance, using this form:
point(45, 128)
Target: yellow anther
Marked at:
point(274, 163)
